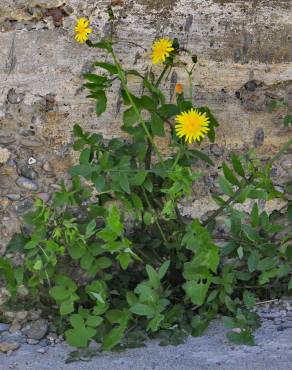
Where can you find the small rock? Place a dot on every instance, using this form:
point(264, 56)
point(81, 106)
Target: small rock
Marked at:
point(4, 295)
point(31, 143)
point(31, 161)
point(4, 155)
point(21, 315)
point(44, 343)
point(47, 167)
point(45, 197)
point(27, 171)
point(236, 330)
point(22, 291)
point(42, 350)
point(27, 184)
point(36, 329)
point(7, 139)
point(4, 327)
point(13, 97)
point(33, 342)
point(6, 346)
point(15, 327)
point(13, 197)
point(24, 205)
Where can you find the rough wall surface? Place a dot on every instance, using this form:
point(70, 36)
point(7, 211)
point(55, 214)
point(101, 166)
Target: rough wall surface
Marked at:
point(245, 62)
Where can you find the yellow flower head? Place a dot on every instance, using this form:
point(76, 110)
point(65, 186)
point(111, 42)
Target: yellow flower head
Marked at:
point(161, 50)
point(82, 31)
point(193, 125)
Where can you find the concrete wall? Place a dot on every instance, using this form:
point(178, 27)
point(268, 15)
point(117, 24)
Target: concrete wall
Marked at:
point(245, 61)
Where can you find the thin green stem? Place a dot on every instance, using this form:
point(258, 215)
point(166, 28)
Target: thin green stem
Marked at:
point(161, 75)
point(141, 120)
point(155, 216)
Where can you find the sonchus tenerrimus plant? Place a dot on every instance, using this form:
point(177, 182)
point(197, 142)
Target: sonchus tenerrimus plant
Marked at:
point(113, 250)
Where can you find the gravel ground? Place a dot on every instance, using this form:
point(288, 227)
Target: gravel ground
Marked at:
point(273, 351)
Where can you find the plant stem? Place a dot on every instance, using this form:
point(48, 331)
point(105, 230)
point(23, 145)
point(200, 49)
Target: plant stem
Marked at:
point(161, 75)
point(155, 216)
point(141, 120)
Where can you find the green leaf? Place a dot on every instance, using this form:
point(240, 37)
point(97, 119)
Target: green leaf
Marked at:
point(139, 178)
point(142, 310)
point(16, 243)
point(237, 165)
point(124, 182)
point(124, 259)
point(225, 187)
point(66, 308)
point(287, 120)
point(104, 263)
point(59, 293)
point(113, 220)
point(154, 324)
point(130, 117)
point(113, 338)
point(196, 291)
point(76, 251)
point(148, 103)
point(100, 183)
point(202, 156)
point(229, 175)
point(253, 261)
point(109, 67)
point(168, 110)
point(153, 277)
point(255, 215)
point(157, 125)
point(163, 269)
point(76, 321)
point(266, 264)
point(199, 325)
point(101, 102)
point(248, 299)
point(147, 218)
point(245, 337)
point(79, 337)
point(290, 284)
point(99, 80)
point(94, 321)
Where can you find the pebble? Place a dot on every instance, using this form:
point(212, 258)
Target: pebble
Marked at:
point(8, 346)
point(13, 197)
point(31, 143)
point(24, 205)
point(27, 171)
point(32, 341)
point(36, 329)
point(42, 350)
point(4, 327)
point(45, 197)
point(31, 161)
point(25, 183)
point(47, 167)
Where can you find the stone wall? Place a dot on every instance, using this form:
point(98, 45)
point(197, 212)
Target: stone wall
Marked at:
point(245, 62)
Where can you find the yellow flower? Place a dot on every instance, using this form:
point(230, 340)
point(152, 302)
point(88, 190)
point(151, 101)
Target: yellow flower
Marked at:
point(192, 124)
point(161, 50)
point(82, 31)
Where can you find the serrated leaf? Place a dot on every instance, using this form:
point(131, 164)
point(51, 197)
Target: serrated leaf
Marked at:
point(112, 69)
point(153, 277)
point(237, 165)
point(229, 175)
point(225, 187)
